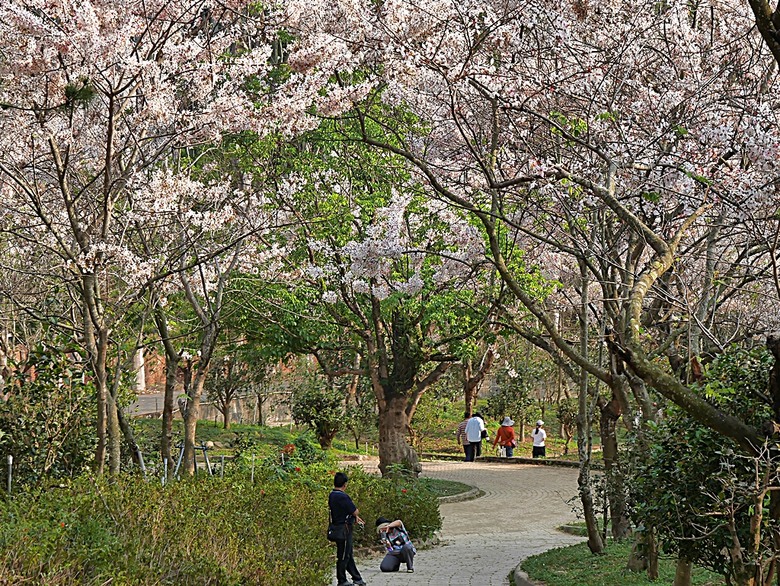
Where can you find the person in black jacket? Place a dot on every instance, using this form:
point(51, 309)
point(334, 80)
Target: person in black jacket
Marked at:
point(343, 510)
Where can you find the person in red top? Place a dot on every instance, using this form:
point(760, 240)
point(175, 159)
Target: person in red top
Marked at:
point(506, 437)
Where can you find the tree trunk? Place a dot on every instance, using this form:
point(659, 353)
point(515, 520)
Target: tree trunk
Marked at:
point(773, 345)
point(101, 388)
point(325, 438)
point(637, 559)
point(616, 494)
point(469, 390)
point(114, 436)
point(171, 370)
point(393, 430)
point(113, 433)
point(652, 555)
point(774, 515)
point(472, 380)
point(132, 445)
point(595, 543)
point(166, 441)
point(682, 573)
point(191, 419)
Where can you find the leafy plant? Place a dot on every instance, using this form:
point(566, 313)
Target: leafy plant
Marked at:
point(319, 406)
point(47, 422)
point(697, 490)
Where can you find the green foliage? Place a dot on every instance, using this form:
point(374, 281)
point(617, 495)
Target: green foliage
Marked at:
point(132, 532)
point(512, 395)
point(577, 566)
point(573, 126)
point(47, 424)
point(79, 93)
point(567, 412)
point(225, 380)
point(690, 484)
point(736, 382)
point(319, 406)
point(209, 530)
point(400, 496)
point(306, 450)
point(429, 418)
point(360, 416)
point(680, 486)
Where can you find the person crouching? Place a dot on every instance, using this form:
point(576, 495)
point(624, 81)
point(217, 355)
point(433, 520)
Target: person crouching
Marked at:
point(398, 546)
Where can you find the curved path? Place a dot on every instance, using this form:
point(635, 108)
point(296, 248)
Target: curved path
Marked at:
point(484, 539)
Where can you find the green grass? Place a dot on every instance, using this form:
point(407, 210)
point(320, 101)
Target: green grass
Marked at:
point(440, 440)
point(576, 566)
point(447, 487)
point(148, 432)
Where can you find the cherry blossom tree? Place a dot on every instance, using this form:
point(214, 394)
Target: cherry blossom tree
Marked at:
point(621, 142)
point(94, 98)
point(383, 281)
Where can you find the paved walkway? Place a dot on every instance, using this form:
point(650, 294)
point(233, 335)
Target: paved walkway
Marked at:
point(484, 539)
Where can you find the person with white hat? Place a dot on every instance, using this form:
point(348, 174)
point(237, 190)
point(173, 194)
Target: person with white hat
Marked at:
point(539, 435)
point(505, 437)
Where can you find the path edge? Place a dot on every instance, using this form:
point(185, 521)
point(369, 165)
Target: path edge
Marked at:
point(521, 578)
point(461, 496)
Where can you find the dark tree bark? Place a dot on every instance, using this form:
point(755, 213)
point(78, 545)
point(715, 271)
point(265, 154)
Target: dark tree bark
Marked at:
point(595, 542)
point(611, 412)
point(172, 359)
point(682, 573)
point(393, 430)
point(768, 24)
point(472, 378)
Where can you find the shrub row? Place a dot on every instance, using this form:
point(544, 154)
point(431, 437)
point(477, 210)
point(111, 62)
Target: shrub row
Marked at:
point(206, 531)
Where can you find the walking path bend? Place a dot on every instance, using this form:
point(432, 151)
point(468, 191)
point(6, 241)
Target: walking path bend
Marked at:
point(484, 539)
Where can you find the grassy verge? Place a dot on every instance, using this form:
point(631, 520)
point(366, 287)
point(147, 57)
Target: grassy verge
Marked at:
point(264, 440)
point(446, 487)
point(576, 566)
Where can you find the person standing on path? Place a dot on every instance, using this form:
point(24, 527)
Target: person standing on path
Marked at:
point(539, 435)
point(474, 433)
point(460, 437)
point(505, 437)
point(343, 510)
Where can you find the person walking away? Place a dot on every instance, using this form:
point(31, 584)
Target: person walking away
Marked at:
point(539, 435)
point(474, 428)
point(505, 437)
point(460, 437)
point(398, 546)
point(343, 510)
point(485, 436)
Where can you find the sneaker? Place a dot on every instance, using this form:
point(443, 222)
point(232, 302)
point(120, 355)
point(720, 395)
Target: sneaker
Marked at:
point(410, 570)
point(360, 582)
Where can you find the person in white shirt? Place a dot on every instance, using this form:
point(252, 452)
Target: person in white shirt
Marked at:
point(474, 433)
point(539, 435)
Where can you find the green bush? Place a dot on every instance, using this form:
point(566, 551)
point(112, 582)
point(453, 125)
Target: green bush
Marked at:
point(401, 497)
point(208, 530)
point(696, 488)
point(204, 531)
point(47, 423)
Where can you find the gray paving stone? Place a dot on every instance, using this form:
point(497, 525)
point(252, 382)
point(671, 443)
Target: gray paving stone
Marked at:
point(484, 539)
